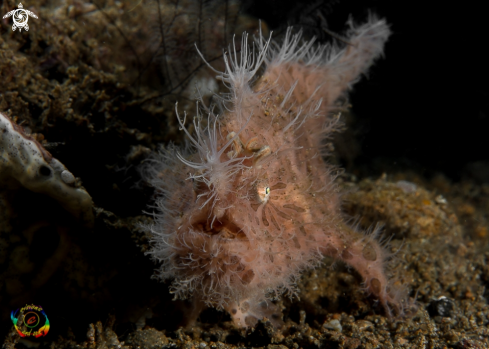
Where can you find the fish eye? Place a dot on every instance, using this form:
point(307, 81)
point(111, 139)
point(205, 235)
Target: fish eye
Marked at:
point(263, 193)
point(260, 192)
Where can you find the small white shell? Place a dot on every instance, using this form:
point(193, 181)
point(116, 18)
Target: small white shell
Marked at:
point(67, 177)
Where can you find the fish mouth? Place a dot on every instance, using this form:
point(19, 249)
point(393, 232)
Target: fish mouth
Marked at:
point(214, 252)
point(223, 227)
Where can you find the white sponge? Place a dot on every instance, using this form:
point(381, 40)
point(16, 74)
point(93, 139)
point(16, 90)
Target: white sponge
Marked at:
point(25, 162)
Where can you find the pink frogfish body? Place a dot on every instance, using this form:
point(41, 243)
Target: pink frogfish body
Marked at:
point(250, 202)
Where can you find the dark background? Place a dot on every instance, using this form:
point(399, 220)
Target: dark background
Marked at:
point(425, 106)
